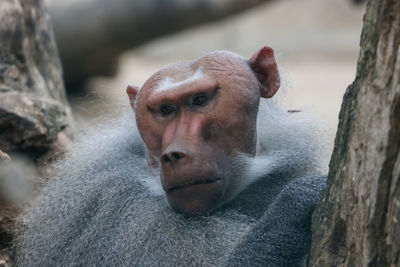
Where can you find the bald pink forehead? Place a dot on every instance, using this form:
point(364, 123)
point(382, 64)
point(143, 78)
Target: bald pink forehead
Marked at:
point(214, 64)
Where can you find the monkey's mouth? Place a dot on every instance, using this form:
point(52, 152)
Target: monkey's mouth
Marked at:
point(193, 195)
point(191, 184)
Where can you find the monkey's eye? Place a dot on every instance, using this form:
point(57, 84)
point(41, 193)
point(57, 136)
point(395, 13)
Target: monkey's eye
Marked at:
point(199, 100)
point(167, 109)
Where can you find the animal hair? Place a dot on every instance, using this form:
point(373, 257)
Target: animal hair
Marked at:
point(106, 208)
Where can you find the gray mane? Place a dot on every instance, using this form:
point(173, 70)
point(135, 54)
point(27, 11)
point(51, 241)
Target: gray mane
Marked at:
point(105, 206)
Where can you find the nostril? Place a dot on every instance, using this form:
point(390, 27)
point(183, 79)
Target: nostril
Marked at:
point(177, 155)
point(165, 158)
point(172, 157)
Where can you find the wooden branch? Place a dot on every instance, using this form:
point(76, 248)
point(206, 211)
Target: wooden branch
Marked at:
point(91, 34)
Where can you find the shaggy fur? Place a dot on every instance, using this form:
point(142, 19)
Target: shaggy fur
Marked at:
point(106, 208)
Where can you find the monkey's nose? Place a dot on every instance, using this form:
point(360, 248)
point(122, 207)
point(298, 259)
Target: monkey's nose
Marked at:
point(172, 157)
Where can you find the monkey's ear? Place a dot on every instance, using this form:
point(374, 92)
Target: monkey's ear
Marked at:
point(132, 91)
point(264, 66)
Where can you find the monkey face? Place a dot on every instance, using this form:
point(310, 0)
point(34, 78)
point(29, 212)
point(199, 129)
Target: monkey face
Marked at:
point(196, 118)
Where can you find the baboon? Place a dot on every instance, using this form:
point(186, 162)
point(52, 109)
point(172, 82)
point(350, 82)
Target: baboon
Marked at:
point(212, 172)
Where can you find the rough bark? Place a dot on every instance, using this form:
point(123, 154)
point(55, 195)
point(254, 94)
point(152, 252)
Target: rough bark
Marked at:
point(357, 222)
point(33, 106)
point(91, 34)
point(34, 112)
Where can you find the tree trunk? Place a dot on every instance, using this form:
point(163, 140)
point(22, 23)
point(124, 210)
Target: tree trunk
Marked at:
point(34, 112)
point(357, 222)
point(33, 105)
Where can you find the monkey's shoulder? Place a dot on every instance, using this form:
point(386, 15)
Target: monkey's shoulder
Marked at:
point(282, 236)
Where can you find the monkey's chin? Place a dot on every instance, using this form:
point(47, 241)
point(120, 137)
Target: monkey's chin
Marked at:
point(196, 199)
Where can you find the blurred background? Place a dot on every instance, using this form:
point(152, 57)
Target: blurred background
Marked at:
point(316, 44)
point(104, 45)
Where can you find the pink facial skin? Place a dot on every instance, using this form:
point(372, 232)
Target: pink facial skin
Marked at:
point(196, 117)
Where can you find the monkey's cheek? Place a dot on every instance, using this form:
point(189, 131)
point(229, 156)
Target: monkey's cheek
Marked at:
point(197, 199)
